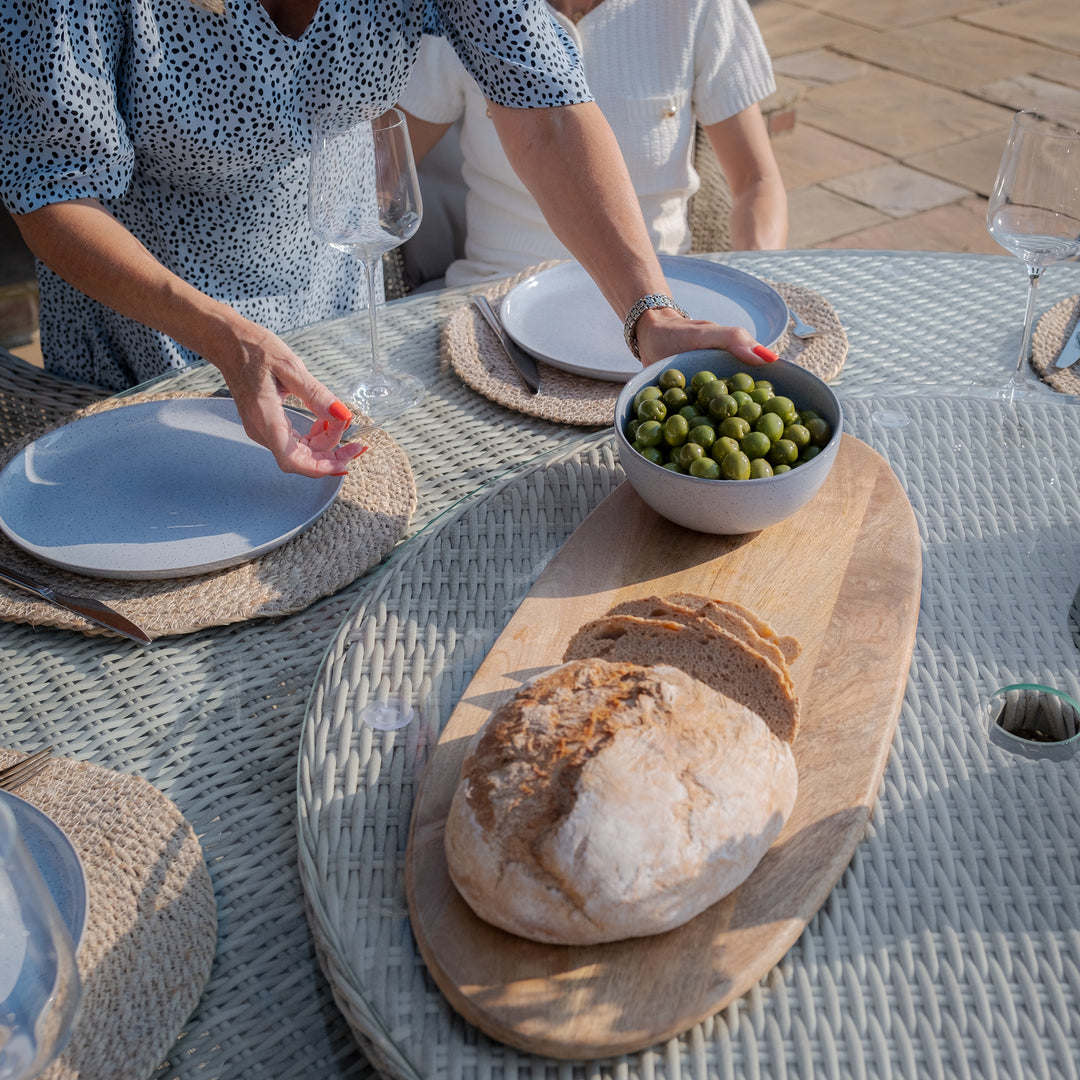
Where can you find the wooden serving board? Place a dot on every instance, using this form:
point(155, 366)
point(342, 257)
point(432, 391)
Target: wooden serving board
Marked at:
point(844, 577)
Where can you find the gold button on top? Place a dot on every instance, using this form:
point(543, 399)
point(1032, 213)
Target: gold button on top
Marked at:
point(670, 110)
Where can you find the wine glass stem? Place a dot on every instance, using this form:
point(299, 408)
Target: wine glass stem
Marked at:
point(371, 271)
point(1034, 274)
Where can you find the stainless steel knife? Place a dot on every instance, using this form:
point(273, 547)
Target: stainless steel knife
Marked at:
point(92, 610)
point(1070, 353)
point(524, 364)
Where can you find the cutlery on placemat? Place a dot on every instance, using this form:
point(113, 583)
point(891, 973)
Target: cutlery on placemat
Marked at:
point(524, 364)
point(800, 329)
point(1070, 352)
point(93, 610)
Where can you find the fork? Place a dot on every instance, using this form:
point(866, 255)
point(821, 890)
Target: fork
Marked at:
point(800, 329)
point(26, 769)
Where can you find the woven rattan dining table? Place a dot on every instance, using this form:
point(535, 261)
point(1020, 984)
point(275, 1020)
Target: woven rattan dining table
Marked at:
point(950, 947)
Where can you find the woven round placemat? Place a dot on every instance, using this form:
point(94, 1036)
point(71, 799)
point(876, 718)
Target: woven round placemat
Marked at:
point(357, 532)
point(1051, 333)
point(151, 927)
point(472, 350)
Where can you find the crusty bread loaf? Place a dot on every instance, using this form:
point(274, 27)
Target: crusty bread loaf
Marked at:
point(701, 649)
point(608, 801)
point(703, 605)
point(727, 618)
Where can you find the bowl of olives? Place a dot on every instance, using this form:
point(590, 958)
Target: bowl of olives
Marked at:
point(725, 447)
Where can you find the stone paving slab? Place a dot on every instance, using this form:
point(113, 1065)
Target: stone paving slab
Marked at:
point(1032, 92)
point(817, 215)
point(896, 189)
point(950, 53)
point(889, 14)
point(1051, 22)
point(898, 115)
point(808, 156)
point(972, 163)
point(820, 67)
point(790, 28)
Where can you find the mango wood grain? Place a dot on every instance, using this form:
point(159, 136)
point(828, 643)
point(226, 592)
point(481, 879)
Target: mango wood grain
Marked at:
point(844, 578)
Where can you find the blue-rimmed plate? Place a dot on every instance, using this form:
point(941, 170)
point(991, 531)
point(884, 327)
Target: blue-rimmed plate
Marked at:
point(560, 316)
point(156, 489)
point(57, 860)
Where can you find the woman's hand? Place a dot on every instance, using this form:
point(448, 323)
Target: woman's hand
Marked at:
point(662, 332)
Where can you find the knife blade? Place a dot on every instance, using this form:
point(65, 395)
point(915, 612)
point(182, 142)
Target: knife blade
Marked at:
point(92, 610)
point(524, 364)
point(1070, 351)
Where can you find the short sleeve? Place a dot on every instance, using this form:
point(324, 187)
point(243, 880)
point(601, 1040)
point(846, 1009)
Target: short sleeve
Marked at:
point(515, 50)
point(61, 135)
point(435, 91)
point(732, 69)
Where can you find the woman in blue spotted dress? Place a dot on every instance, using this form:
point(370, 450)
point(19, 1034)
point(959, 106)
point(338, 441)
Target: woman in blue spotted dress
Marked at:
point(155, 157)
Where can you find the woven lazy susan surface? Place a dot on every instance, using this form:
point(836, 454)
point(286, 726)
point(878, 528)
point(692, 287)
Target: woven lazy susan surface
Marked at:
point(1052, 331)
point(151, 927)
point(473, 351)
point(363, 524)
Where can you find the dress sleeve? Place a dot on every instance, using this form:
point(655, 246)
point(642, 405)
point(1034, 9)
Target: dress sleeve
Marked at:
point(515, 50)
point(61, 134)
point(732, 69)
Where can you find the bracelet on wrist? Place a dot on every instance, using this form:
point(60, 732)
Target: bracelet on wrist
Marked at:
point(653, 300)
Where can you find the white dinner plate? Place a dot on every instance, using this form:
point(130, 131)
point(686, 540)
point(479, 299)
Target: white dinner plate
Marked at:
point(560, 316)
point(56, 859)
point(154, 490)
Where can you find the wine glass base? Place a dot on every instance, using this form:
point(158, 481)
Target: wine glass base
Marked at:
point(387, 396)
point(1021, 388)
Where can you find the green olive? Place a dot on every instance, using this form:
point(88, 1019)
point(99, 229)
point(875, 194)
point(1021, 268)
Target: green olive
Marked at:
point(760, 468)
point(755, 444)
point(653, 454)
point(799, 434)
point(672, 466)
point(699, 379)
point(709, 388)
point(762, 384)
point(784, 407)
point(761, 394)
point(741, 396)
point(652, 409)
point(676, 428)
point(736, 466)
point(783, 452)
point(721, 405)
point(701, 421)
point(749, 411)
point(722, 447)
point(741, 381)
point(675, 398)
point(702, 434)
point(688, 453)
point(673, 377)
point(809, 453)
point(780, 469)
point(820, 431)
point(631, 429)
point(705, 468)
point(771, 425)
point(645, 393)
point(691, 412)
point(735, 427)
point(650, 433)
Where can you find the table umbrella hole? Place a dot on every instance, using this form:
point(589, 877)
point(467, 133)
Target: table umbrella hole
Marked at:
point(1034, 721)
point(386, 715)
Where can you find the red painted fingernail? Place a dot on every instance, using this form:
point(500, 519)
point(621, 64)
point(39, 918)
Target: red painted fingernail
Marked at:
point(339, 474)
point(766, 354)
point(340, 411)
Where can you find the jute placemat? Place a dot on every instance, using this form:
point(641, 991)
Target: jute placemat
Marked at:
point(151, 927)
point(1051, 333)
point(356, 533)
point(472, 350)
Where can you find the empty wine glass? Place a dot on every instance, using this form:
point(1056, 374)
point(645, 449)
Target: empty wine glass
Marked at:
point(1034, 211)
point(364, 199)
point(39, 981)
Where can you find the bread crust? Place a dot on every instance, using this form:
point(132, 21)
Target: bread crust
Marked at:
point(612, 800)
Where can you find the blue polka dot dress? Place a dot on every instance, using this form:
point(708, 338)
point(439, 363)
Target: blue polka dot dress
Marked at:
point(193, 128)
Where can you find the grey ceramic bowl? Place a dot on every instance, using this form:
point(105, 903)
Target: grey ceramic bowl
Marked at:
point(730, 506)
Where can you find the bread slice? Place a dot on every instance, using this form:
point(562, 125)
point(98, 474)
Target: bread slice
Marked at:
point(610, 801)
point(703, 605)
point(666, 607)
point(704, 651)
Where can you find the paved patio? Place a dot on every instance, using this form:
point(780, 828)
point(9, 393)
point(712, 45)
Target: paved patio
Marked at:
point(901, 112)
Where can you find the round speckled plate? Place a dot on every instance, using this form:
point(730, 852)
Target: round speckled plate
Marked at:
point(160, 489)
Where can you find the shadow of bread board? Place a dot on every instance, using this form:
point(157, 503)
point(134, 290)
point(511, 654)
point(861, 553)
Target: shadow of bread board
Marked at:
point(843, 576)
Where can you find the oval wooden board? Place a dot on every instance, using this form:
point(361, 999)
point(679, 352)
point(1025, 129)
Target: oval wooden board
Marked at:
point(844, 578)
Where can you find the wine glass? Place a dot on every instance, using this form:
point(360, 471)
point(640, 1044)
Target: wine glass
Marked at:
point(1034, 211)
point(39, 981)
point(364, 199)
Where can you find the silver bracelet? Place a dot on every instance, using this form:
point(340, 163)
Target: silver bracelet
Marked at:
point(653, 300)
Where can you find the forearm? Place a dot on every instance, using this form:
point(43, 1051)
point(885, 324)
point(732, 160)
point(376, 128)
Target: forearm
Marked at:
point(86, 246)
point(759, 220)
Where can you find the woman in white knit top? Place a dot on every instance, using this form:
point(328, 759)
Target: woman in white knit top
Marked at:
point(655, 67)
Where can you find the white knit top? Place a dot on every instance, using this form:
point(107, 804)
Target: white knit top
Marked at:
point(654, 67)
